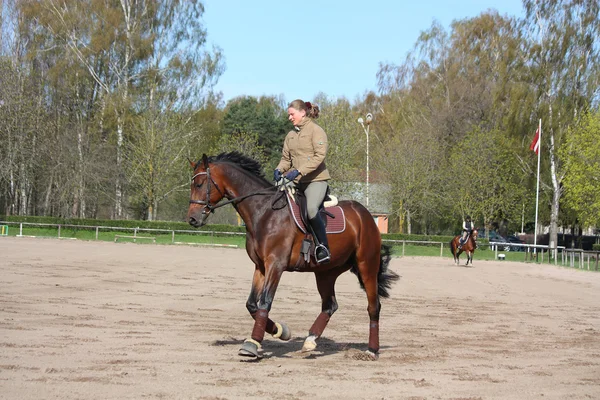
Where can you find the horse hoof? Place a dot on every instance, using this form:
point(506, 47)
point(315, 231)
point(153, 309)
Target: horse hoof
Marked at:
point(365, 356)
point(251, 350)
point(310, 343)
point(283, 332)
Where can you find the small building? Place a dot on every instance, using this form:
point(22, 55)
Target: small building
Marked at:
point(382, 221)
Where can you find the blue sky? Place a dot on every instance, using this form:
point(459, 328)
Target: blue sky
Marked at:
point(300, 48)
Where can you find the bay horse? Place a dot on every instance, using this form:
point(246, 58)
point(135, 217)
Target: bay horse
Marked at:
point(273, 243)
point(469, 247)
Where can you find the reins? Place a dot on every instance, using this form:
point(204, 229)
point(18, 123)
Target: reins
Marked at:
point(206, 203)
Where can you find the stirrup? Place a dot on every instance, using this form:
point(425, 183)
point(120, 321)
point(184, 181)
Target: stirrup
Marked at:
point(325, 259)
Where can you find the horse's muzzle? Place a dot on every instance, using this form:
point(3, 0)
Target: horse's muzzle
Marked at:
point(197, 223)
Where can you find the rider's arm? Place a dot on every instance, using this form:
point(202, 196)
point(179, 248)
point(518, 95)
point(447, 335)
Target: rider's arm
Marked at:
point(465, 225)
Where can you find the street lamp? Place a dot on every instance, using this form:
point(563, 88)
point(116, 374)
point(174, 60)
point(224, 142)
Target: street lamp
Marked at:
point(369, 118)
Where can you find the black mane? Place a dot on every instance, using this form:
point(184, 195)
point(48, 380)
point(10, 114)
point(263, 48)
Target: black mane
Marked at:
point(240, 159)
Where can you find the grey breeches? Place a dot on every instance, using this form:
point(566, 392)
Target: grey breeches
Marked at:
point(315, 193)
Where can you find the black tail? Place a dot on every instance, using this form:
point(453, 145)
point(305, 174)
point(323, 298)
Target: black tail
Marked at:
point(452, 250)
point(385, 277)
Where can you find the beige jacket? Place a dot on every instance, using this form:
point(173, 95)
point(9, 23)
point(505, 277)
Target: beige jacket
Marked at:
point(304, 149)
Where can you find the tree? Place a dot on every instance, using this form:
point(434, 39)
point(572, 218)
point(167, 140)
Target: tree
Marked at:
point(263, 116)
point(137, 52)
point(581, 155)
point(565, 76)
point(484, 179)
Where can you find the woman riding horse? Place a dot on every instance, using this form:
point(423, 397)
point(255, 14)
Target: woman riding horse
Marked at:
point(273, 243)
point(303, 161)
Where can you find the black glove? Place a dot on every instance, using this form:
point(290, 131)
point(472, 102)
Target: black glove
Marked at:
point(277, 175)
point(291, 175)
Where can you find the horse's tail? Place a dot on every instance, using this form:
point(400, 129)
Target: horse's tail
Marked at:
point(385, 277)
point(452, 248)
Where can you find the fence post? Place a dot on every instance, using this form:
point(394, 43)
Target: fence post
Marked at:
point(172, 236)
point(59, 231)
point(442, 249)
point(403, 243)
point(21, 229)
point(96, 233)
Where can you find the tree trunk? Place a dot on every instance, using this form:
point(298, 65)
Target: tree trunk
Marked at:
point(556, 195)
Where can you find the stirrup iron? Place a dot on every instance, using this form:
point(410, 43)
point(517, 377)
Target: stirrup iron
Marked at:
point(325, 259)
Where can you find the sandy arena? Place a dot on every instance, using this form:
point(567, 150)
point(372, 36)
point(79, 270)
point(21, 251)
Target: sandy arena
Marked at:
point(98, 320)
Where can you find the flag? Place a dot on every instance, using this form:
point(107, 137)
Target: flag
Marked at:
point(535, 145)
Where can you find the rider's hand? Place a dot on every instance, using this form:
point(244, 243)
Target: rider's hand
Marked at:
point(292, 174)
point(277, 175)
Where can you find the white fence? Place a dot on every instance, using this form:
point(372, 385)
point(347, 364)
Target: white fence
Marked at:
point(134, 236)
point(574, 258)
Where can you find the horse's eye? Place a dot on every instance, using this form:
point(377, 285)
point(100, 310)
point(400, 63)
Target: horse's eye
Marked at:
point(198, 185)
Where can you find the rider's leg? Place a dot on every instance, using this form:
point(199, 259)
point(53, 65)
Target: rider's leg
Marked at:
point(315, 193)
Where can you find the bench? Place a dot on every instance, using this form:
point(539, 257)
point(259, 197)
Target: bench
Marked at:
point(117, 237)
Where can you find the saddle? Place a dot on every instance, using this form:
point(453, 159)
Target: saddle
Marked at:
point(333, 217)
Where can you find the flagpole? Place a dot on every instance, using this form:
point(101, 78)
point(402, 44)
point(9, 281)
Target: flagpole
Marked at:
point(537, 190)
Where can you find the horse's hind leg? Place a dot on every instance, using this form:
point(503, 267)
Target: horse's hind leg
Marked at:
point(369, 274)
point(326, 286)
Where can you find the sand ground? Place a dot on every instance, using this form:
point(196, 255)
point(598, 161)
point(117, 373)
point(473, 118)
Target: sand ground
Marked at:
point(98, 320)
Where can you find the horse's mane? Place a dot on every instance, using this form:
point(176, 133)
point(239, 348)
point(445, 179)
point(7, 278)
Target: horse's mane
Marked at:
point(245, 162)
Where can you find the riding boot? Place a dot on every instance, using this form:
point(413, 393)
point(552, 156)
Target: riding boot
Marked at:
point(322, 248)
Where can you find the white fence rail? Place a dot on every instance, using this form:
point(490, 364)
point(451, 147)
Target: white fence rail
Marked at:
point(134, 231)
point(575, 258)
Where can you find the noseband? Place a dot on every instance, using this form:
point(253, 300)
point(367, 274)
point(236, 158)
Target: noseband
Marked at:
point(206, 203)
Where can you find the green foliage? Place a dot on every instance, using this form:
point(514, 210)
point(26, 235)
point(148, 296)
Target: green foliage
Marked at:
point(484, 178)
point(421, 238)
point(581, 155)
point(261, 116)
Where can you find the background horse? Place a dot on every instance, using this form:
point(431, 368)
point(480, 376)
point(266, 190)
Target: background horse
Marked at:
point(273, 243)
point(468, 247)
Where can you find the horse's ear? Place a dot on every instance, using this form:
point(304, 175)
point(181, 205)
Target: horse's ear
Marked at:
point(205, 160)
point(192, 164)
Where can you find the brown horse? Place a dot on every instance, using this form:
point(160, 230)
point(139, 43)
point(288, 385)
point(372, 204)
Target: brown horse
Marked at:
point(469, 247)
point(273, 243)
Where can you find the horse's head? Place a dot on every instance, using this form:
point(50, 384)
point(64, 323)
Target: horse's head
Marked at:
point(474, 234)
point(205, 193)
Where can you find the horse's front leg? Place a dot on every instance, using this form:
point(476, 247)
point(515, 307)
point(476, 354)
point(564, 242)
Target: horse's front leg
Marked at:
point(278, 330)
point(252, 346)
point(326, 286)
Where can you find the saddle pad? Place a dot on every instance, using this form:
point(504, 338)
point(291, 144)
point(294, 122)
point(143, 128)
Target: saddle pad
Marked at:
point(333, 225)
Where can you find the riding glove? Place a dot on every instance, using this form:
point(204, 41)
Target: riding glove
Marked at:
point(292, 174)
point(277, 175)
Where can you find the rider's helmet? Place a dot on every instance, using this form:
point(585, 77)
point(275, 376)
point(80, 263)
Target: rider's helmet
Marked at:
point(468, 218)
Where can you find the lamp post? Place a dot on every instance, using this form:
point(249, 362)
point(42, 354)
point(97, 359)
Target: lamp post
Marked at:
point(369, 118)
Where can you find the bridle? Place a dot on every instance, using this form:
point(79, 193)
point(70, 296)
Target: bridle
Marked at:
point(208, 207)
point(206, 203)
